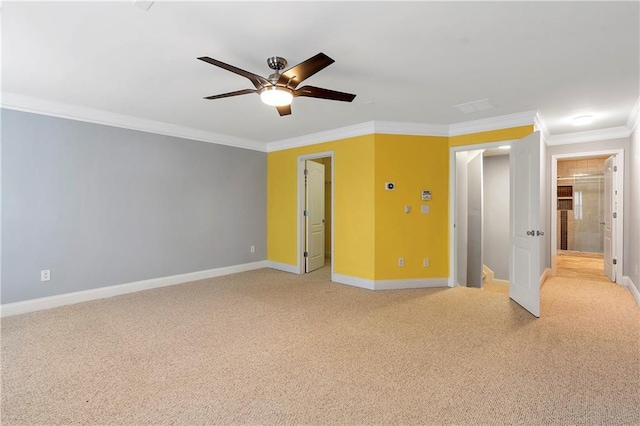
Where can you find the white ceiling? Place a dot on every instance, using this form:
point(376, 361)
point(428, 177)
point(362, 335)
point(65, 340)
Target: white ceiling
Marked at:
point(407, 62)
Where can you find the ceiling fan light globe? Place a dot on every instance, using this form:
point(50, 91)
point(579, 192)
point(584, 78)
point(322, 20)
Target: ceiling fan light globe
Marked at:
point(276, 96)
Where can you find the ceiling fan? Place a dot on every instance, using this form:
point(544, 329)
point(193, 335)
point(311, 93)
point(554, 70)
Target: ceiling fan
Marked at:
point(279, 89)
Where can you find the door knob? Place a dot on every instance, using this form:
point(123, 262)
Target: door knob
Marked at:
point(538, 233)
point(532, 233)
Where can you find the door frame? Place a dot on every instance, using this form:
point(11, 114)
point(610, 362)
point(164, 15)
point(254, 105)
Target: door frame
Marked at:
point(301, 206)
point(452, 200)
point(619, 187)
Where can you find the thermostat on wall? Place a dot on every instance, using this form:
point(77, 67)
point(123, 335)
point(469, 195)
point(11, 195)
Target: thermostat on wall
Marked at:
point(426, 195)
point(389, 186)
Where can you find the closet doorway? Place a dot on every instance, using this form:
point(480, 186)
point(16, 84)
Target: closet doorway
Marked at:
point(586, 226)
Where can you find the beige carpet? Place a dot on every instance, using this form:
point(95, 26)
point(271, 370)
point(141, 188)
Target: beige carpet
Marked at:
point(267, 347)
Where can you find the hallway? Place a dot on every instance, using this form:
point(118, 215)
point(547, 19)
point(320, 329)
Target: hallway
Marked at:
point(588, 266)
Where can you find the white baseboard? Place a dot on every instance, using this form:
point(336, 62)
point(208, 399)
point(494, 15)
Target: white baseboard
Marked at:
point(116, 290)
point(390, 284)
point(285, 267)
point(632, 288)
point(410, 283)
point(545, 274)
point(353, 281)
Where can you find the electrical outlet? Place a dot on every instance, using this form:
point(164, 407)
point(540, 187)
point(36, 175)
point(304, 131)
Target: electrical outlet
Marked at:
point(253, 249)
point(425, 262)
point(401, 261)
point(45, 275)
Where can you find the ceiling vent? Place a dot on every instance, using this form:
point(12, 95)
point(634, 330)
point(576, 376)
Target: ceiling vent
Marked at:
point(474, 106)
point(142, 4)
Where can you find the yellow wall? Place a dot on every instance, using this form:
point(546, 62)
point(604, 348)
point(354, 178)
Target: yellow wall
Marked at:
point(491, 136)
point(354, 201)
point(371, 229)
point(413, 163)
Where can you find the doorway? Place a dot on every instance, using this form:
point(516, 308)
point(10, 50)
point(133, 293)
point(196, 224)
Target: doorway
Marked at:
point(587, 215)
point(525, 219)
point(316, 212)
point(482, 218)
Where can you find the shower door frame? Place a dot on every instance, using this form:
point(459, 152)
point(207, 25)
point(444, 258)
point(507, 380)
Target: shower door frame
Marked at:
point(619, 197)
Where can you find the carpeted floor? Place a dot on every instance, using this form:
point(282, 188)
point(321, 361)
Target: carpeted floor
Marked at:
point(267, 347)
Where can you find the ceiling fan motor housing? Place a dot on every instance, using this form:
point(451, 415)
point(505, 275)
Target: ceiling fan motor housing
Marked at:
point(276, 63)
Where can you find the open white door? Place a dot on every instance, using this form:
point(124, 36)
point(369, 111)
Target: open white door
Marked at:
point(524, 267)
point(609, 217)
point(314, 215)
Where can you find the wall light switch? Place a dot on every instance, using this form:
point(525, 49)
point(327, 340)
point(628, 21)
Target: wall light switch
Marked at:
point(407, 209)
point(424, 209)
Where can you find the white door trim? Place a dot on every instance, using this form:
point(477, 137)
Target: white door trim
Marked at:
point(452, 200)
point(300, 207)
point(619, 233)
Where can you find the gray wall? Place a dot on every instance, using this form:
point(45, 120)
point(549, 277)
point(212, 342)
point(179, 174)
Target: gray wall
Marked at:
point(100, 205)
point(474, 219)
point(461, 218)
point(600, 146)
point(633, 263)
point(495, 248)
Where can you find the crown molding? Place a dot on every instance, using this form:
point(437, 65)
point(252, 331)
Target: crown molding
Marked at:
point(540, 125)
point(589, 136)
point(493, 123)
point(24, 103)
point(410, 129)
point(30, 104)
point(634, 117)
point(361, 129)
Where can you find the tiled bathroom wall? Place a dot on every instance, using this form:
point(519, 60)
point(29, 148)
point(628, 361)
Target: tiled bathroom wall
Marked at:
point(580, 205)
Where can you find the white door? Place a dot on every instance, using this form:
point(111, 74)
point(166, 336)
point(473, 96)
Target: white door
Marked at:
point(609, 221)
point(524, 267)
point(314, 215)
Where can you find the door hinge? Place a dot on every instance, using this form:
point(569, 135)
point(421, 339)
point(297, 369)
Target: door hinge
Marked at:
point(306, 254)
point(615, 168)
point(305, 213)
point(615, 215)
point(615, 261)
point(306, 172)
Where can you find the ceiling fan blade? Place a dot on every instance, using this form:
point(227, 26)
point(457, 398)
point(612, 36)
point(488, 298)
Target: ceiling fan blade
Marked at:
point(294, 76)
point(258, 82)
point(284, 110)
point(319, 92)
point(228, 95)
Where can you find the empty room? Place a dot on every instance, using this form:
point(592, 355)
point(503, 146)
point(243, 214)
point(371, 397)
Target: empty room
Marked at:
point(320, 213)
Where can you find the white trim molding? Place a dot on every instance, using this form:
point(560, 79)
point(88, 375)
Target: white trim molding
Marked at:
point(540, 125)
point(589, 136)
point(320, 137)
point(632, 288)
point(410, 129)
point(634, 117)
point(39, 304)
point(400, 284)
point(91, 115)
point(493, 123)
point(35, 105)
point(410, 283)
point(545, 274)
point(284, 267)
point(353, 281)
